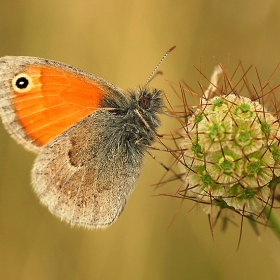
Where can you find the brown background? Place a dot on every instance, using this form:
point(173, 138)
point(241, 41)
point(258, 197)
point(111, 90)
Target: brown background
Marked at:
point(122, 41)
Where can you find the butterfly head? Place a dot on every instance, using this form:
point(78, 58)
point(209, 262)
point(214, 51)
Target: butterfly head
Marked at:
point(144, 105)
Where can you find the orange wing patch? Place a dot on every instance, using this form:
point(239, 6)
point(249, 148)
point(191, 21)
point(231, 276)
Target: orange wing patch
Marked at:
point(56, 100)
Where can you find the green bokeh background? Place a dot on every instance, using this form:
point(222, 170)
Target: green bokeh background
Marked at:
point(122, 41)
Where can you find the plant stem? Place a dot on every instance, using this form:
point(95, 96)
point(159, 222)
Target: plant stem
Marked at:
point(273, 220)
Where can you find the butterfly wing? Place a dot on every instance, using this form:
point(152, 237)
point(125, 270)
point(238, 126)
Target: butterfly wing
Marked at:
point(53, 109)
point(83, 175)
point(39, 98)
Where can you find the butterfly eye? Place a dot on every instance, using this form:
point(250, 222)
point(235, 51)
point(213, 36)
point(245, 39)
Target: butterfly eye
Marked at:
point(22, 83)
point(144, 102)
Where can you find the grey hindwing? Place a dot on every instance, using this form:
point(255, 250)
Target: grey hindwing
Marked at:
point(85, 175)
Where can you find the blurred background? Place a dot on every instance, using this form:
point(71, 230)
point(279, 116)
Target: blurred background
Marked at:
point(122, 41)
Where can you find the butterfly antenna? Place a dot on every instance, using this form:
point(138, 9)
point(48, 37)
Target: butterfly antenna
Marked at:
point(160, 62)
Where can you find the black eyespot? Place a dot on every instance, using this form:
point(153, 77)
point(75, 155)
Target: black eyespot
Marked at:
point(22, 83)
point(144, 102)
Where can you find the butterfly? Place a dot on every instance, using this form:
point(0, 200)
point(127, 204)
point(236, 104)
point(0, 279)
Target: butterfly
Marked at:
point(90, 136)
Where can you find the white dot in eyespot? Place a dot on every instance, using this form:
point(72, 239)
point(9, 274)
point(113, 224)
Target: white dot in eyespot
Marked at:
point(22, 83)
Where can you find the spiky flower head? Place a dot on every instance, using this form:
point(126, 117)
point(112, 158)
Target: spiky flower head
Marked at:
point(230, 154)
